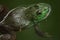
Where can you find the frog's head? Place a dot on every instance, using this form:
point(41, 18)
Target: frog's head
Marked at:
point(39, 11)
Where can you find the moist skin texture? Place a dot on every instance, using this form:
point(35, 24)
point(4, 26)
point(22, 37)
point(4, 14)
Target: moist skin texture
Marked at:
point(25, 17)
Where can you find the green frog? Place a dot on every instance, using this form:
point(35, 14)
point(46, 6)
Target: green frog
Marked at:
point(21, 18)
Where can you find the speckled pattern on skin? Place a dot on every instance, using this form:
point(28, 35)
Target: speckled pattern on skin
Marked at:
point(24, 17)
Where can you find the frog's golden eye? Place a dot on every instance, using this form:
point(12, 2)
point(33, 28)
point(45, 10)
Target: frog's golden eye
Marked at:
point(38, 12)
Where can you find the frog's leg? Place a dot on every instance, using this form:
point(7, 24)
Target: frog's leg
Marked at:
point(13, 36)
point(8, 28)
point(7, 33)
point(7, 37)
point(40, 33)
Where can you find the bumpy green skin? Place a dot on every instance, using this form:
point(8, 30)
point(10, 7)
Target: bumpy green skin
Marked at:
point(38, 12)
point(27, 16)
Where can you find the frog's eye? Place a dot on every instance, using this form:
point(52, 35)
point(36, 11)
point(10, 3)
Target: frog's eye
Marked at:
point(38, 12)
point(45, 10)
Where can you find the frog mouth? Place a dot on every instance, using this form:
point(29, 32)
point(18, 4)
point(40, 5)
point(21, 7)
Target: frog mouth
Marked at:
point(49, 10)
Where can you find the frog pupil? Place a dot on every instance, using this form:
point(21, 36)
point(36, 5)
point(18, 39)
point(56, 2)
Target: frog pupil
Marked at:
point(38, 12)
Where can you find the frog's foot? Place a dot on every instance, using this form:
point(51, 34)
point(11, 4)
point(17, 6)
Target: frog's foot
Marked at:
point(41, 33)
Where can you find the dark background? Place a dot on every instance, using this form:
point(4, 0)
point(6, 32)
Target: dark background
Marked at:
point(50, 25)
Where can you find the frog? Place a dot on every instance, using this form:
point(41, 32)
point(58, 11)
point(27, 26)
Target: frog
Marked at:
point(3, 11)
point(21, 18)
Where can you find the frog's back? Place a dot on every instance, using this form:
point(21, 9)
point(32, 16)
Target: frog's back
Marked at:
point(16, 17)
